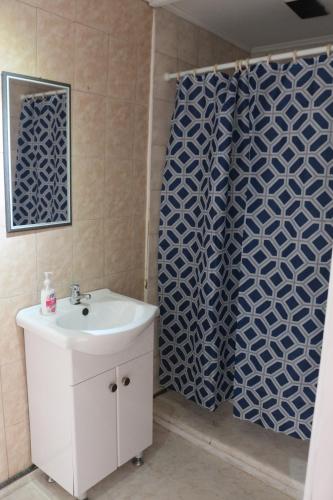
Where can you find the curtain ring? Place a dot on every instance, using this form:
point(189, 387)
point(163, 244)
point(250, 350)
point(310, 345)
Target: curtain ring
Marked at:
point(329, 50)
point(247, 64)
point(215, 68)
point(178, 77)
point(269, 58)
point(194, 73)
point(295, 56)
point(238, 65)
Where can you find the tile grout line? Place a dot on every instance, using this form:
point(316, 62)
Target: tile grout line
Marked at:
point(3, 425)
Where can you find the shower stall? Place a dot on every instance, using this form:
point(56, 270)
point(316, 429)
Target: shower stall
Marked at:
point(245, 238)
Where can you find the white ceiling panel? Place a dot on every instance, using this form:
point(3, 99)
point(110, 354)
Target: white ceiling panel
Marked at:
point(256, 24)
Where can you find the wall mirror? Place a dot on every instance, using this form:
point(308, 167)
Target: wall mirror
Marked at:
point(37, 166)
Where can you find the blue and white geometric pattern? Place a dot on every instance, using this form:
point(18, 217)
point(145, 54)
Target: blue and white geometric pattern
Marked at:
point(287, 245)
point(40, 185)
point(245, 240)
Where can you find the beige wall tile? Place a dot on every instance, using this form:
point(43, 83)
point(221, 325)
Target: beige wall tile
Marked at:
point(162, 113)
point(118, 189)
point(88, 254)
point(118, 245)
point(94, 13)
point(154, 212)
point(188, 41)
point(118, 282)
point(14, 396)
point(91, 50)
point(88, 125)
point(11, 336)
point(55, 254)
point(13, 376)
point(141, 21)
point(90, 284)
point(153, 251)
point(88, 188)
point(153, 283)
point(128, 283)
point(18, 447)
point(124, 244)
point(3, 451)
point(140, 175)
point(119, 203)
point(141, 132)
point(17, 37)
point(130, 20)
point(167, 30)
point(206, 51)
point(118, 256)
point(64, 8)
point(158, 157)
point(139, 201)
point(136, 288)
point(117, 228)
point(118, 173)
point(122, 69)
point(152, 295)
point(120, 22)
point(20, 276)
point(184, 66)
point(143, 71)
point(120, 128)
point(138, 242)
point(47, 48)
point(163, 89)
point(15, 406)
point(138, 230)
point(55, 47)
point(62, 291)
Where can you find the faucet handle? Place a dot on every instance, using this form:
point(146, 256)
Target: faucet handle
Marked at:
point(75, 287)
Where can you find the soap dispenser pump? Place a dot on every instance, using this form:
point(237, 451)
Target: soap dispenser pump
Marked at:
point(48, 297)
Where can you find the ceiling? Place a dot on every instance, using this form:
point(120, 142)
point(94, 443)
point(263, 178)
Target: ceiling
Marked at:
point(256, 25)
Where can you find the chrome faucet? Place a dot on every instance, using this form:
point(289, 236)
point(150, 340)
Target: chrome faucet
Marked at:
point(76, 295)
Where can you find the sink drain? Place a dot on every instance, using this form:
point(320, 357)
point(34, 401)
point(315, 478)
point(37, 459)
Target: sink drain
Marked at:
point(85, 311)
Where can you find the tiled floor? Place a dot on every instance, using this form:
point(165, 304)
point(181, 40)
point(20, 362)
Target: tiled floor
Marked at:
point(174, 470)
point(276, 458)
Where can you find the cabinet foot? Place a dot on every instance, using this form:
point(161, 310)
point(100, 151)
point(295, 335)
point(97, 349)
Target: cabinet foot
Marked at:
point(83, 496)
point(50, 480)
point(138, 460)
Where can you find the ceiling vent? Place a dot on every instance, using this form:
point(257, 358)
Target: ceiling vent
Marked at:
point(307, 9)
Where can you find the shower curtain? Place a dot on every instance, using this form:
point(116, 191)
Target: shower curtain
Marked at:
point(40, 179)
point(245, 240)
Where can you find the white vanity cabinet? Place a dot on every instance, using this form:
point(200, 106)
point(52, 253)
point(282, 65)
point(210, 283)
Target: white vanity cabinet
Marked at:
point(89, 414)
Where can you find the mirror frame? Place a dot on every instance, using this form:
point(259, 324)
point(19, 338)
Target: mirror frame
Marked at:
point(6, 77)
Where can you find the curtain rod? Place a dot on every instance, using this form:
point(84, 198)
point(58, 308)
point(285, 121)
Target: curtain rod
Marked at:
point(254, 60)
point(42, 94)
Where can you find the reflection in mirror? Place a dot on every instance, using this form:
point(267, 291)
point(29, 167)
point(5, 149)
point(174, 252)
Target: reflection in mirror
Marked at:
point(37, 152)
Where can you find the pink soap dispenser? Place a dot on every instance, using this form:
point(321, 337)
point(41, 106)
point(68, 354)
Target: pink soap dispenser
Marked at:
point(47, 296)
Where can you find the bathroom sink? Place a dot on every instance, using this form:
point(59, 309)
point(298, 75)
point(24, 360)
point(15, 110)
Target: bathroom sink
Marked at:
point(106, 324)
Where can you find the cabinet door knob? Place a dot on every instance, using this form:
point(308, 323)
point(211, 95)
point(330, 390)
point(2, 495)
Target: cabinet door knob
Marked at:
point(113, 387)
point(126, 381)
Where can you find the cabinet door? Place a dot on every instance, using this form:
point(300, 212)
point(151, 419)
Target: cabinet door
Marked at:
point(135, 407)
point(95, 430)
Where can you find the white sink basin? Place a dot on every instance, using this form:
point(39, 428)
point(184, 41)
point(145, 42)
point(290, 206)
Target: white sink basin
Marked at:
point(106, 324)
